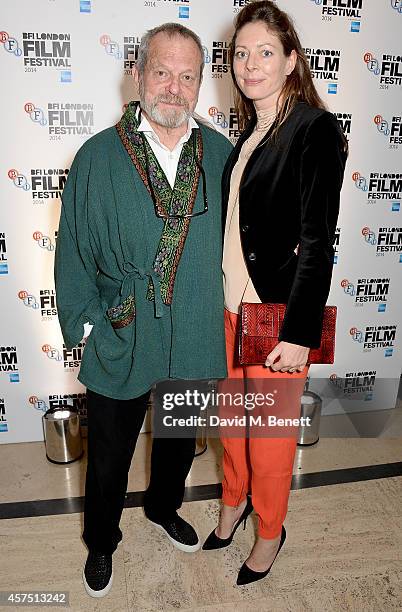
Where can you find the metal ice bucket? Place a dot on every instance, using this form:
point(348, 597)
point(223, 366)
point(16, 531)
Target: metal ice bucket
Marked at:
point(61, 428)
point(311, 405)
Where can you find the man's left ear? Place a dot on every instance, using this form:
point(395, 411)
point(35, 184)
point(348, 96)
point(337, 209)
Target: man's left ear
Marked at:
point(292, 59)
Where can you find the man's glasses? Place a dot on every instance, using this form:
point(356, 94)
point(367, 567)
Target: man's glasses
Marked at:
point(164, 215)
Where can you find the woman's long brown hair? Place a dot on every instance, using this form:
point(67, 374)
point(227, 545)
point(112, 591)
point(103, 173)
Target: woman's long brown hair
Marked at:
point(298, 87)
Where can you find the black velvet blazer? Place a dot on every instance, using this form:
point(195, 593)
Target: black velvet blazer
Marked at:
point(289, 196)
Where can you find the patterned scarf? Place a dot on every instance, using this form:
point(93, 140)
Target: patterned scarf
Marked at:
point(181, 198)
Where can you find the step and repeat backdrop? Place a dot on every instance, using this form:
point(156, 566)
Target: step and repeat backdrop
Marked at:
point(66, 75)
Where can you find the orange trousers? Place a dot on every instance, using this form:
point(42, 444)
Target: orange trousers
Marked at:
point(261, 466)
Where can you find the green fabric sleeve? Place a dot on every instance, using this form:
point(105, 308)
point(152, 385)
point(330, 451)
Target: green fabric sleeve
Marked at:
point(75, 272)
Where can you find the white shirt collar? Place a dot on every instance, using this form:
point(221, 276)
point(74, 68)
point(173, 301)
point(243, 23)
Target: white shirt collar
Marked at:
point(146, 127)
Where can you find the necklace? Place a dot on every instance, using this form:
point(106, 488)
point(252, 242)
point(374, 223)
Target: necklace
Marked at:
point(265, 119)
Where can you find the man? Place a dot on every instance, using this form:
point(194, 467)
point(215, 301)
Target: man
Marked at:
point(139, 257)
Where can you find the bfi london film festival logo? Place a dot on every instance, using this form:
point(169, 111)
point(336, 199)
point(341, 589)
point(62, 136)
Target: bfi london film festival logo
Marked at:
point(60, 400)
point(38, 404)
point(218, 117)
point(126, 51)
point(46, 304)
point(45, 184)
point(390, 130)
point(42, 50)
point(355, 385)
point(345, 121)
point(52, 353)
point(3, 416)
point(324, 66)
point(9, 363)
point(388, 70)
point(397, 5)
point(366, 291)
point(339, 9)
point(227, 122)
point(386, 240)
point(10, 44)
point(43, 241)
point(375, 337)
point(3, 254)
point(70, 358)
point(219, 59)
point(63, 118)
point(385, 186)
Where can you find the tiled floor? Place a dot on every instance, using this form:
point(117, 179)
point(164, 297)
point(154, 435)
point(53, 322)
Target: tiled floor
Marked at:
point(343, 551)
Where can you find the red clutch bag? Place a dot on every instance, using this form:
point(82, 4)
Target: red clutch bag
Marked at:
point(260, 327)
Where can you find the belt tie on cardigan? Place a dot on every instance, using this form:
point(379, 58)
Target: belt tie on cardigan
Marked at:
point(134, 273)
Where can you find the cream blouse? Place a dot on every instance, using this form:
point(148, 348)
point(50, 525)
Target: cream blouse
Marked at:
point(238, 286)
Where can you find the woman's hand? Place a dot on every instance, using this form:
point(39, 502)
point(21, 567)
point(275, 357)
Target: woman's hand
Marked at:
point(292, 357)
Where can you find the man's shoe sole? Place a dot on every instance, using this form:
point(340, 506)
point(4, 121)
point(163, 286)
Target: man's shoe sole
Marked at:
point(183, 547)
point(100, 593)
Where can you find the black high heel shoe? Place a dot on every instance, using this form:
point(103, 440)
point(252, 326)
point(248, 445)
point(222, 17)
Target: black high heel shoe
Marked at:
point(247, 575)
point(213, 542)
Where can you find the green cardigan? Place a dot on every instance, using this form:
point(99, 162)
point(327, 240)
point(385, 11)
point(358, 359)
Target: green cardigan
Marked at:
point(107, 241)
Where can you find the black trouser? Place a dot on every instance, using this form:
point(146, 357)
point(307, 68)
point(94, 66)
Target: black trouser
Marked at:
point(113, 429)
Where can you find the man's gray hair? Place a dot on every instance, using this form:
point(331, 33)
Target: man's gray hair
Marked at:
point(170, 29)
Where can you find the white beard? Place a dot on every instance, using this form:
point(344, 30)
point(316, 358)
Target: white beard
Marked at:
point(173, 118)
point(168, 118)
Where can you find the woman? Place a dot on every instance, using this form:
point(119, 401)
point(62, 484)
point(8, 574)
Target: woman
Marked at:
point(281, 190)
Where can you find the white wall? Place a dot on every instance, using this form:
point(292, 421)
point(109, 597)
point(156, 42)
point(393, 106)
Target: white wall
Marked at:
point(355, 55)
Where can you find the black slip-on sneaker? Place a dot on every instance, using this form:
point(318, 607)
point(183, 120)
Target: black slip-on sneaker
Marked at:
point(180, 533)
point(98, 574)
